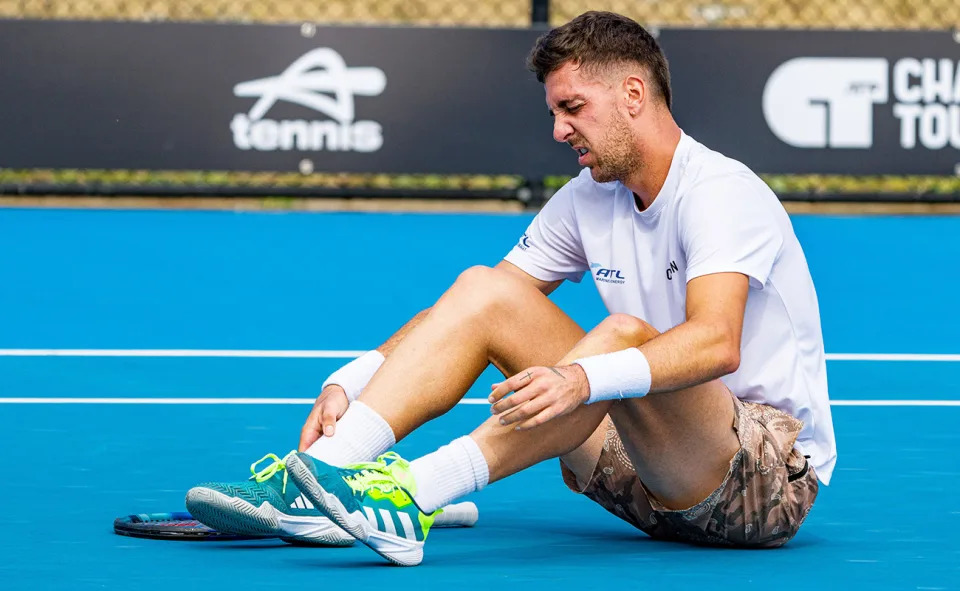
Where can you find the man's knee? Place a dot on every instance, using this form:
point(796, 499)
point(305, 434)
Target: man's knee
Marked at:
point(627, 328)
point(477, 275)
point(486, 285)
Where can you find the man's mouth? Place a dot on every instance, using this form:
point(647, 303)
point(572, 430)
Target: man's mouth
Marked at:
point(581, 153)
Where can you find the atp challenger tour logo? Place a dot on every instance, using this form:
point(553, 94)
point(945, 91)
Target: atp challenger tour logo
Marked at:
point(830, 102)
point(319, 80)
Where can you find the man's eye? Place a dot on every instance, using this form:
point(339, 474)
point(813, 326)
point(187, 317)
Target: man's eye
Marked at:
point(574, 108)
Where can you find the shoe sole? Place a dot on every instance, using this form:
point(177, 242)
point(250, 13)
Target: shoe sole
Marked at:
point(398, 550)
point(236, 516)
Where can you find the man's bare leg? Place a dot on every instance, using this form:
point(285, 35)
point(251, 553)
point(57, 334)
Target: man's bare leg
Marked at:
point(487, 316)
point(680, 443)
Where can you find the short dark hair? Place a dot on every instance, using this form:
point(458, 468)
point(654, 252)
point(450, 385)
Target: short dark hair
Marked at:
point(597, 39)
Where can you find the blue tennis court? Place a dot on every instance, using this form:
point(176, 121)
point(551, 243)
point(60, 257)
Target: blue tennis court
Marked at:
point(116, 324)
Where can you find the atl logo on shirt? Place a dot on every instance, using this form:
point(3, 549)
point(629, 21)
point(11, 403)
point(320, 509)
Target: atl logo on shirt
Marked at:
point(601, 273)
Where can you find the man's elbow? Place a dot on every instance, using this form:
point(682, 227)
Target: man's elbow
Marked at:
point(727, 352)
point(729, 359)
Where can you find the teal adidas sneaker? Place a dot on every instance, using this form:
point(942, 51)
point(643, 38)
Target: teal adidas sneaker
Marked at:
point(373, 501)
point(266, 504)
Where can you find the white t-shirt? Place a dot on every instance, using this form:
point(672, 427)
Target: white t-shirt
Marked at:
point(712, 215)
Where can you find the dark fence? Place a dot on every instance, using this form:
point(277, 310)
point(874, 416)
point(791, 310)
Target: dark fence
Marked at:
point(779, 14)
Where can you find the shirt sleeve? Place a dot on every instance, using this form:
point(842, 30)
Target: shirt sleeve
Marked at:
point(730, 226)
point(550, 249)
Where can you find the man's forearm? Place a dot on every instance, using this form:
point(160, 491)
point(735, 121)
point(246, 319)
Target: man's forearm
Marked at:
point(690, 353)
point(387, 348)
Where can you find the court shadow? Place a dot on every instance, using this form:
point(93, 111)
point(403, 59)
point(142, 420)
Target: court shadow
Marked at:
point(370, 561)
point(248, 545)
point(547, 553)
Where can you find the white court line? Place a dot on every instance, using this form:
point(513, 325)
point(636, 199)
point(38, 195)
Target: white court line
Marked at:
point(891, 357)
point(179, 353)
point(181, 401)
point(156, 400)
point(311, 400)
point(333, 354)
point(895, 403)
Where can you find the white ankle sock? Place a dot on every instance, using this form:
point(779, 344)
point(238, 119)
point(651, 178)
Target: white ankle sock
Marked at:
point(449, 473)
point(361, 436)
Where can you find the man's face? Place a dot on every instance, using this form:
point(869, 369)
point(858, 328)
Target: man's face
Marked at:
point(587, 115)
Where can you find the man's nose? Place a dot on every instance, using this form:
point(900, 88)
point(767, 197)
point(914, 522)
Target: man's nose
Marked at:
point(561, 130)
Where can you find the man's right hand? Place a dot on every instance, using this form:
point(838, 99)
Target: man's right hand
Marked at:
point(327, 410)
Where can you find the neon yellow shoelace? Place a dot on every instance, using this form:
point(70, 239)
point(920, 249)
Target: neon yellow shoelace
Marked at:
point(370, 475)
point(268, 472)
point(376, 474)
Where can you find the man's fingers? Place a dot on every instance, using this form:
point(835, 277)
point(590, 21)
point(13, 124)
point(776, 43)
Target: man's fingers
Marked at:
point(522, 412)
point(512, 384)
point(499, 391)
point(311, 427)
point(540, 418)
point(517, 398)
point(308, 439)
point(328, 419)
point(309, 434)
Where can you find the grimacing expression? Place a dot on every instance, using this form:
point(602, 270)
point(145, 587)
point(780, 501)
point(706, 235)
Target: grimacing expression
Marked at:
point(587, 117)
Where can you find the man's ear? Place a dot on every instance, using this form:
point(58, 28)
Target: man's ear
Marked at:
point(635, 93)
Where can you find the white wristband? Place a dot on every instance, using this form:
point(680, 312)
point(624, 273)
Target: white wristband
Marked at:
point(354, 376)
point(614, 376)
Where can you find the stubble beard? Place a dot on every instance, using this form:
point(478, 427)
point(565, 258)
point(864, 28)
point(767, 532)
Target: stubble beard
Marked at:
point(620, 158)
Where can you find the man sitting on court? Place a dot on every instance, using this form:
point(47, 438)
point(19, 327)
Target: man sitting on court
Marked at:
point(697, 411)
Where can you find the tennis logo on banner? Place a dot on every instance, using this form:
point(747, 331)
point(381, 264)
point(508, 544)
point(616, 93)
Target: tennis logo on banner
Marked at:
point(319, 80)
point(830, 102)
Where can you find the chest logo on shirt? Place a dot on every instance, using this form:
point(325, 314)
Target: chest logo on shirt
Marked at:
point(672, 270)
point(601, 273)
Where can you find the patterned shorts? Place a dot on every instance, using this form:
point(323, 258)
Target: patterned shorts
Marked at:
point(761, 502)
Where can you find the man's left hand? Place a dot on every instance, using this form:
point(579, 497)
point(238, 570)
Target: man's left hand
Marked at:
point(539, 394)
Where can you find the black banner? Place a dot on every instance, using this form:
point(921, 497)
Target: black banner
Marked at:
point(181, 96)
point(821, 102)
point(264, 98)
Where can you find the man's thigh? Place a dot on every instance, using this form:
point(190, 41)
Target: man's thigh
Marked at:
point(681, 443)
point(521, 325)
point(762, 500)
point(486, 316)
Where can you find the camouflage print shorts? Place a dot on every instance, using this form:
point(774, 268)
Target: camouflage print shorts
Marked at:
point(761, 502)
